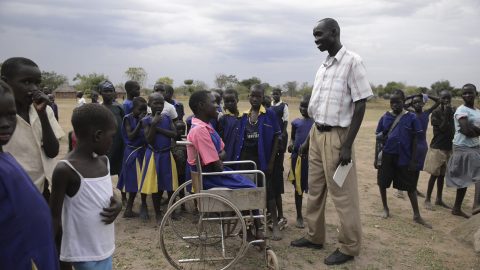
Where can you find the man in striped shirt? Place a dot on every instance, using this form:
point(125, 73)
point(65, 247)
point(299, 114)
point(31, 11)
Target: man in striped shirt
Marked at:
point(337, 106)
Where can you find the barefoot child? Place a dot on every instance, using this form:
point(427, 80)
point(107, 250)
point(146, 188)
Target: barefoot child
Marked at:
point(463, 168)
point(299, 165)
point(134, 139)
point(82, 203)
point(228, 123)
point(400, 130)
point(26, 240)
point(159, 171)
point(133, 90)
point(257, 140)
point(35, 142)
point(440, 148)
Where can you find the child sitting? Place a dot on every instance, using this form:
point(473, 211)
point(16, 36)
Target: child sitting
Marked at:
point(134, 139)
point(299, 165)
point(82, 201)
point(26, 240)
point(229, 122)
point(398, 164)
point(159, 171)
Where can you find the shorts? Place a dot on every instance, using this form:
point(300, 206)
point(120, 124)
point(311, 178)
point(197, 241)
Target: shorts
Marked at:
point(401, 176)
point(436, 161)
point(96, 265)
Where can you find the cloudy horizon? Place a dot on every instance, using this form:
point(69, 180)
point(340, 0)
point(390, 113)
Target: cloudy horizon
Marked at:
point(415, 42)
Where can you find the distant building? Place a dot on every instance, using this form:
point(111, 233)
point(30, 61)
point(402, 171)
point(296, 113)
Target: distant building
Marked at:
point(65, 91)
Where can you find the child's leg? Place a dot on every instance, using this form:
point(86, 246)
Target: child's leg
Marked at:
point(439, 200)
point(383, 195)
point(272, 208)
point(124, 198)
point(431, 184)
point(457, 207)
point(156, 199)
point(412, 195)
point(298, 207)
point(143, 208)
point(282, 221)
point(129, 208)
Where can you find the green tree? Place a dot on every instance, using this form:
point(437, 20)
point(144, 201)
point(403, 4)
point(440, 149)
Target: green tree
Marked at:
point(290, 87)
point(438, 86)
point(305, 89)
point(165, 80)
point(249, 82)
point(52, 80)
point(137, 74)
point(89, 82)
point(390, 86)
point(224, 81)
point(188, 85)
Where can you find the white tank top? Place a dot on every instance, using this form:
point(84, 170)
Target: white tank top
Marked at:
point(85, 237)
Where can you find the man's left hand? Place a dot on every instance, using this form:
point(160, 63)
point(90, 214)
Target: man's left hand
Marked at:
point(345, 155)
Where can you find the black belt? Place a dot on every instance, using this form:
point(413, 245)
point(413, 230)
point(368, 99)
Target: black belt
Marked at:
point(324, 128)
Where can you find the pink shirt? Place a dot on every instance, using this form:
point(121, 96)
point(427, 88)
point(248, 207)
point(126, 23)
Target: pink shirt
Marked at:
point(200, 137)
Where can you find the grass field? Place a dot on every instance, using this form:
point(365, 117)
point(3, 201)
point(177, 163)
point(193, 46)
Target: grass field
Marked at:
point(395, 243)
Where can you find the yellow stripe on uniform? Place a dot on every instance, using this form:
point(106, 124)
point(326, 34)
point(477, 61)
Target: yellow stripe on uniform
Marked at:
point(296, 175)
point(150, 182)
point(174, 173)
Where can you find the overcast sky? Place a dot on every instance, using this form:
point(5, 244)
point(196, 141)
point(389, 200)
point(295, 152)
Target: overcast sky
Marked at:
point(413, 41)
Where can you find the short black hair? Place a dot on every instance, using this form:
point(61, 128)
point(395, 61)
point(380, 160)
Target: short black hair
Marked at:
point(154, 95)
point(131, 85)
point(331, 24)
point(259, 86)
point(468, 85)
point(158, 87)
point(219, 91)
point(398, 92)
point(196, 98)
point(168, 88)
point(276, 89)
point(231, 91)
point(91, 117)
point(138, 101)
point(11, 65)
point(306, 98)
point(79, 94)
point(5, 89)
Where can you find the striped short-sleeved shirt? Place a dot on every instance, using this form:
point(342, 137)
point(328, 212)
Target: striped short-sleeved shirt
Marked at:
point(340, 81)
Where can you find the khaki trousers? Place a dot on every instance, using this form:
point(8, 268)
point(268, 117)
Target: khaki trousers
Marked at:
point(323, 160)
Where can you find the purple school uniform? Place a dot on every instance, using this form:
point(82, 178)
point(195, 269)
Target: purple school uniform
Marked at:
point(128, 106)
point(422, 145)
point(228, 126)
point(399, 142)
point(302, 129)
point(26, 234)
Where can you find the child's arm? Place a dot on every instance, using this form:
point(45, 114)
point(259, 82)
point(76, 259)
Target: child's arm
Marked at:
point(62, 180)
point(467, 128)
point(292, 139)
point(110, 213)
point(50, 142)
point(274, 153)
point(435, 105)
point(413, 162)
point(132, 133)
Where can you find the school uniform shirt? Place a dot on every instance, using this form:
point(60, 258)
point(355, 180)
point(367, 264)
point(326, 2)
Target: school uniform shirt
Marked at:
point(399, 142)
point(268, 128)
point(442, 135)
point(26, 145)
point(168, 109)
point(284, 109)
point(473, 116)
point(127, 106)
point(302, 129)
point(340, 81)
point(80, 102)
point(179, 109)
point(228, 126)
point(422, 145)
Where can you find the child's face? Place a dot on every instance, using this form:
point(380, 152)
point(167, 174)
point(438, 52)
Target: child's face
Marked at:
point(51, 98)
point(25, 81)
point(135, 92)
point(8, 117)
point(276, 95)
point(95, 97)
point(267, 101)
point(468, 95)
point(445, 98)
point(210, 107)
point(417, 103)
point(104, 139)
point(304, 109)
point(156, 104)
point(256, 98)
point(108, 95)
point(396, 104)
point(139, 110)
point(230, 102)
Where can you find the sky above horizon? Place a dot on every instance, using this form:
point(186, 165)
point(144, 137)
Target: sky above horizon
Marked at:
point(415, 42)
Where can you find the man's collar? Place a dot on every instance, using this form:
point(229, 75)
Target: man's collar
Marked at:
point(338, 56)
point(262, 110)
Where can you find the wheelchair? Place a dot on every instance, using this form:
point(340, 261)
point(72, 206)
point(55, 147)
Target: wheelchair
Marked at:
point(207, 229)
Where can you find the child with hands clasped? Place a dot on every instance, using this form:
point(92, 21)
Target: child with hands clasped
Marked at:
point(400, 130)
point(82, 202)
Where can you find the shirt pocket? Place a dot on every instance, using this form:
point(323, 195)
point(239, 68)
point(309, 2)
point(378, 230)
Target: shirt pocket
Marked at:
point(337, 90)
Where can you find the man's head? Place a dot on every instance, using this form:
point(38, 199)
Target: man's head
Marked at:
point(257, 92)
point(397, 101)
point(107, 90)
point(139, 109)
point(276, 94)
point(202, 103)
point(132, 88)
point(8, 113)
point(156, 102)
point(23, 76)
point(327, 34)
point(230, 100)
point(94, 125)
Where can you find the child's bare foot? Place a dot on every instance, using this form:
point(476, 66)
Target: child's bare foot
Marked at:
point(442, 204)
point(428, 205)
point(386, 213)
point(421, 221)
point(158, 217)
point(130, 214)
point(144, 213)
point(276, 234)
point(460, 213)
point(300, 223)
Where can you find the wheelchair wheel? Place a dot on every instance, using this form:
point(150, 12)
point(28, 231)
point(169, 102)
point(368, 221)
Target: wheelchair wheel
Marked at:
point(203, 238)
point(176, 194)
point(272, 260)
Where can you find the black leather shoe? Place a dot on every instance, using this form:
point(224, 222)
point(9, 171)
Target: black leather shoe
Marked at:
point(303, 242)
point(337, 257)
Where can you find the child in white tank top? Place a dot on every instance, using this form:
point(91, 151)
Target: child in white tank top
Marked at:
point(82, 201)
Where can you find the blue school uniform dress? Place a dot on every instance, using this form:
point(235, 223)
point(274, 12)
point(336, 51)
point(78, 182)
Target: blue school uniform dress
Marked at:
point(133, 155)
point(26, 234)
point(422, 145)
point(299, 167)
point(128, 106)
point(179, 108)
point(197, 136)
point(228, 126)
point(159, 171)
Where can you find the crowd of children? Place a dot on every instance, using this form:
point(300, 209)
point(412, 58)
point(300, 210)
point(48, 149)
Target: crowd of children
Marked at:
point(136, 141)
